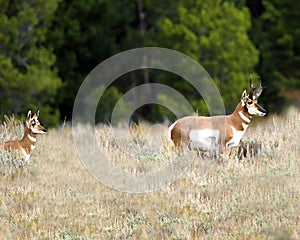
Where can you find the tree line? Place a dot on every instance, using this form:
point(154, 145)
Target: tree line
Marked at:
point(48, 47)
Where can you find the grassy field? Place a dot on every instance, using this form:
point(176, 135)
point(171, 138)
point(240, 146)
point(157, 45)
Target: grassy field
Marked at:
point(55, 197)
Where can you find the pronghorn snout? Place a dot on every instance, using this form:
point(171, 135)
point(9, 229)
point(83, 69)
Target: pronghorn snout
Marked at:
point(257, 110)
point(38, 128)
point(43, 130)
point(261, 111)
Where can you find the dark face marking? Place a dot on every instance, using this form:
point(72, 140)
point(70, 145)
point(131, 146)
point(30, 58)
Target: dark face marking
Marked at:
point(254, 108)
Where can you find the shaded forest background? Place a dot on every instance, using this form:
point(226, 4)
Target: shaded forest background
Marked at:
point(47, 48)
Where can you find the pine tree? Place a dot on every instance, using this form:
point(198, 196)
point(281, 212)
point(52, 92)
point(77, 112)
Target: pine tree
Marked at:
point(214, 33)
point(28, 79)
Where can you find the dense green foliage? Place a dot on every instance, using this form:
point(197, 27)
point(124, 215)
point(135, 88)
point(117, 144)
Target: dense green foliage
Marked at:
point(276, 34)
point(28, 77)
point(214, 33)
point(49, 47)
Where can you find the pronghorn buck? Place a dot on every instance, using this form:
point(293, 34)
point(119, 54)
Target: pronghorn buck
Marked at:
point(27, 143)
point(218, 133)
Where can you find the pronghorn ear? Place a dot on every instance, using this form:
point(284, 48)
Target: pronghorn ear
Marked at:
point(28, 117)
point(244, 97)
point(37, 113)
point(29, 114)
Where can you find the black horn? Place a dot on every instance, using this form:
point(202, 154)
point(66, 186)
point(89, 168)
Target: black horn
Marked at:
point(259, 90)
point(251, 88)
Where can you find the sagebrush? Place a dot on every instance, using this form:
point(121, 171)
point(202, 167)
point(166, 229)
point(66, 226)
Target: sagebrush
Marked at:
point(255, 196)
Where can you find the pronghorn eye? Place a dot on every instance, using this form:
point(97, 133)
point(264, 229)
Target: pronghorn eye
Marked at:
point(33, 124)
point(250, 102)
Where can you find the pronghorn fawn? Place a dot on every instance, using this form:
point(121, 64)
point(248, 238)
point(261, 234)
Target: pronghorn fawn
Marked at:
point(218, 133)
point(25, 146)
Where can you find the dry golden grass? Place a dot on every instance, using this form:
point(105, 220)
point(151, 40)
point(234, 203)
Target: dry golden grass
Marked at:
point(55, 197)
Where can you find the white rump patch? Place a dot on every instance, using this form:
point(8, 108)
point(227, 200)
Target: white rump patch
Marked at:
point(170, 129)
point(205, 139)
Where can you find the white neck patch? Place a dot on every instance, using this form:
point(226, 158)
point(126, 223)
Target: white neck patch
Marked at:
point(244, 117)
point(32, 139)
